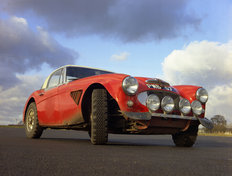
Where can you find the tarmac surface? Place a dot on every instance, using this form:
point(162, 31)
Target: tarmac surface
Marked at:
point(61, 152)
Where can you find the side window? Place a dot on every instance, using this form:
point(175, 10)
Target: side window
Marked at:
point(55, 79)
point(72, 73)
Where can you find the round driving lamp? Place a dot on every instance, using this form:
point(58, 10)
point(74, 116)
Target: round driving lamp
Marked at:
point(197, 107)
point(167, 104)
point(153, 102)
point(184, 106)
point(202, 95)
point(130, 85)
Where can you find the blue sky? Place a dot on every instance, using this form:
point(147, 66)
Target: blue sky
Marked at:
point(141, 38)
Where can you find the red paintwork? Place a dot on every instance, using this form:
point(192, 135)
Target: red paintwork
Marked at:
point(187, 91)
point(56, 107)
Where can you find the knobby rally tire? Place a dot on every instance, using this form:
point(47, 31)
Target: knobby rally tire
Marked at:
point(99, 117)
point(186, 138)
point(32, 127)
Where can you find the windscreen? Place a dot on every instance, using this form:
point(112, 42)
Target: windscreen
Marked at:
point(74, 73)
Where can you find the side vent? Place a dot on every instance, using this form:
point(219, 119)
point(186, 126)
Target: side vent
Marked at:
point(76, 96)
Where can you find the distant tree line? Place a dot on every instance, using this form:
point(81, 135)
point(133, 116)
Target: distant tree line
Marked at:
point(220, 125)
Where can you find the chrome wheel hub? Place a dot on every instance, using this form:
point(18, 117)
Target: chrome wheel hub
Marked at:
point(30, 120)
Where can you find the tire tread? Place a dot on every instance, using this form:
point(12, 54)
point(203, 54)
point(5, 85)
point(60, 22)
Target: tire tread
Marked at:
point(99, 122)
point(186, 138)
point(38, 130)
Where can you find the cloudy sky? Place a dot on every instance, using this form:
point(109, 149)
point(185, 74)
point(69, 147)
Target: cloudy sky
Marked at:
point(181, 41)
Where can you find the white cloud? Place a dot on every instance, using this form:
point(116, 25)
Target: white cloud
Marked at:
point(120, 57)
point(201, 63)
point(19, 20)
point(12, 100)
point(220, 101)
point(207, 64)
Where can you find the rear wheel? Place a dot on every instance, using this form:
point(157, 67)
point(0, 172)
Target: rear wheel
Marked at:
point(32, 127)
point(99, 117)
point(186, 138)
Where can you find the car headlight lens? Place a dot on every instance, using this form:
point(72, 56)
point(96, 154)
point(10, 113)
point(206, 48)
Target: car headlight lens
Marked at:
point(197, 107)
point(185, 106)
point(202, 95)
point(153, 102)
point(167, 104)
point(130, 85)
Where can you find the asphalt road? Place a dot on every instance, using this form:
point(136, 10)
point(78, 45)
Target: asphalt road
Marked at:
point(71, 153)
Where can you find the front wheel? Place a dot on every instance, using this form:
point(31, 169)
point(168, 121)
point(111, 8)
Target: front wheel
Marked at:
point(99, 117)
point(32, 127)
point(186, 138)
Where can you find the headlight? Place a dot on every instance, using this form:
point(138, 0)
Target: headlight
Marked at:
point(130, 85)
point(153, 102)
point(167, 104)
point(196, 107)
point(184, 106)
point(202, 95)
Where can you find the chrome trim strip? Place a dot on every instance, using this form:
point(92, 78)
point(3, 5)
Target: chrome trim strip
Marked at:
point(174, 116)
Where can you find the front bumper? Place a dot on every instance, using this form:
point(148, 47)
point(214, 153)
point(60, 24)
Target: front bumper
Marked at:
point(147, 116)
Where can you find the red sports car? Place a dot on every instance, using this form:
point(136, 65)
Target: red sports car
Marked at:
point(102, 102)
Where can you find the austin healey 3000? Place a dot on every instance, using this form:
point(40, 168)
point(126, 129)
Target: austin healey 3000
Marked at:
point(102, 102)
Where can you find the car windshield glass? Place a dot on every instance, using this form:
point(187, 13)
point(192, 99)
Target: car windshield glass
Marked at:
point(74, 73)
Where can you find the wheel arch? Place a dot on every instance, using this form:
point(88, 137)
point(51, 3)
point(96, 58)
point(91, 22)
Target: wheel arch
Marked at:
point(86, 100)
point(32, 99)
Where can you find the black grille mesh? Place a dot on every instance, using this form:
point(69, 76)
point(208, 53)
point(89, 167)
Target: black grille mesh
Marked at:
point(76, 95)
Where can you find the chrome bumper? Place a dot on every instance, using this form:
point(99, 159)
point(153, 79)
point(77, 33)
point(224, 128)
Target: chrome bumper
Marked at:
point(206, 123)
point(147, 116)
point(174, 116)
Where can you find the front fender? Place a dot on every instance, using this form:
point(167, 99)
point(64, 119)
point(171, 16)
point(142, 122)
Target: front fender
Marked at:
point(29, 100)
point(188, 92)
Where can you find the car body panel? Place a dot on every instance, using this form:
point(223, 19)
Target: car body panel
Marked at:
point(63, 105)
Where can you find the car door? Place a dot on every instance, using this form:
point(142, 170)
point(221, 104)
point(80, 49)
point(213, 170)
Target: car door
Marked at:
point(69, 96)
point(48, 108)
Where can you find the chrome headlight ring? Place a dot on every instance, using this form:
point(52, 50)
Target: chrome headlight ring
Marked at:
point(153, 102)
point(130, 85)
point(202, 95)
point(167, 104)
point(197, 107)
point(184, 106)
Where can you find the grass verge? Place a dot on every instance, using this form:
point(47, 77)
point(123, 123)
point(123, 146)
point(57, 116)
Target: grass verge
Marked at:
point(215, 134)
point(11, 126)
